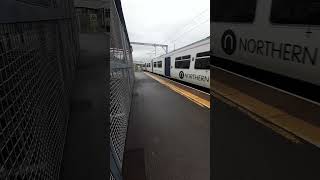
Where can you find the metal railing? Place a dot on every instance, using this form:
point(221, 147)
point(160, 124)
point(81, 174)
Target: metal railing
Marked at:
point(121, 86)
point(38, 52)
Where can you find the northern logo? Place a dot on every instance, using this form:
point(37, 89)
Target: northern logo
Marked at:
point(229, 42)
point(181, 74)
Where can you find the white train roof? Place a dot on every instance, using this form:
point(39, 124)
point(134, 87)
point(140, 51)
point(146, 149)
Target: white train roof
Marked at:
point(189, 46)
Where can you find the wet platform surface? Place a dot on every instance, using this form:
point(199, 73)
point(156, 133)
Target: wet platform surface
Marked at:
point(250, 132)
point(168, 135)
point(244, 149)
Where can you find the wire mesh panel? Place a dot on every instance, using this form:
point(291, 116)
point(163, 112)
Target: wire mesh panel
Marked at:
point(111, 177)
point(120, 98)
point(45, 3)
point(121, 82)
point(37, 62)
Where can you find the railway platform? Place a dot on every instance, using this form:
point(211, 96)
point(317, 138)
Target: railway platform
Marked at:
point(259, 132)
point(169, 131)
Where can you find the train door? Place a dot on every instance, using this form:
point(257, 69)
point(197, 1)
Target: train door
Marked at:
point(167, 64)
point(151, 66)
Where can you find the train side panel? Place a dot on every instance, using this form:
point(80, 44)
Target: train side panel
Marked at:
point(148, 66)
point(159, 69)
point(200, 77)
point(270, 46)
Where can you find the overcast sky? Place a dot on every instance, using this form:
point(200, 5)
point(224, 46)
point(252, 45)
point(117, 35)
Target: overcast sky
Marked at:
point(173, 22)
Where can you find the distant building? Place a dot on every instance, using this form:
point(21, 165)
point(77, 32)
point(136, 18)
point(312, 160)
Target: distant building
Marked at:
point(138, 65)
point(93, 15)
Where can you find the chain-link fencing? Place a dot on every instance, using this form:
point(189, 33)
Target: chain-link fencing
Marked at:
point(38, 52)
point(121, 86)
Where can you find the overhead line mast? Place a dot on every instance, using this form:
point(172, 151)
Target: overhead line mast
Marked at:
point(163, 46)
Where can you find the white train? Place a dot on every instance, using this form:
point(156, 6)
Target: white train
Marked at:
point(278, 36)
point(190, 64)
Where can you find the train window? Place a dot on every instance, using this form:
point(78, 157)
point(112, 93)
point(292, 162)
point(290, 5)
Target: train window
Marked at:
point(182, 64)
point(160, 64)
point(295, 12)
point(202, 54)
point(202, 63)
point(178, 58)
point(234, 10)
point(155, 64)
point(186, 57)
point(202, 60)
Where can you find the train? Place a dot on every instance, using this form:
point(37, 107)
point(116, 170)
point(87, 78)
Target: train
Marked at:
point(281, 37)
point(190, 64)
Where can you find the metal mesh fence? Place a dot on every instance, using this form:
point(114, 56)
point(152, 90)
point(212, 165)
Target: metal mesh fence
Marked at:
point(37, 61)
point(45, 3)
point(121, 84)
point(111, 177)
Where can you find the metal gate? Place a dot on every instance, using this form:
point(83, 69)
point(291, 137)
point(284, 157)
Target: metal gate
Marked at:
point(121, 86)
point(38, 52)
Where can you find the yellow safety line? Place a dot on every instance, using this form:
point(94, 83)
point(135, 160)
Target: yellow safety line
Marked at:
point(281, 122)
point(196, 99)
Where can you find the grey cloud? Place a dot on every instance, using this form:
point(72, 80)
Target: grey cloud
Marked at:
point(155, 21)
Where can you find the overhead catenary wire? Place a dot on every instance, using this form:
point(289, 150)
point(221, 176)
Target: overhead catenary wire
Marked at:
point(181, 35)
point(187, 24)
point(188, 27)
